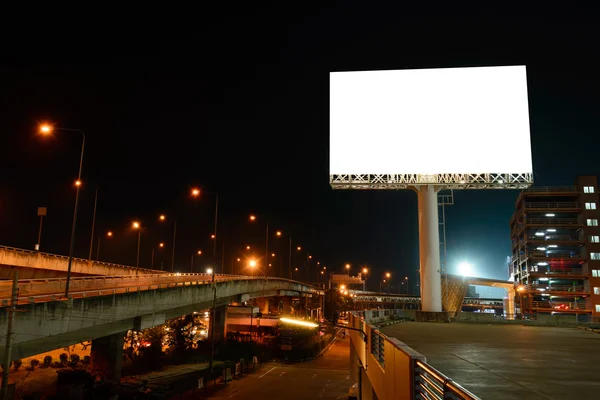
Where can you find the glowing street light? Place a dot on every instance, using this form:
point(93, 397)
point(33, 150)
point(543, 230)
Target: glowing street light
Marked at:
point(212, 236)
point(162, 217)
point(247, 247)
point(195, 192)
point(136, 225)
point(348, 269)
point(161, 244)
point(252, 217)
point(109, 234)
point(278, 233)
point(209, 271)
point(46, 129)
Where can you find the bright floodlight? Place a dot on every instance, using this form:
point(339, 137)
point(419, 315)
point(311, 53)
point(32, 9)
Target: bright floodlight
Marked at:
point(465, 269)
point(430, 122)
point(299, 322)
point(209, 270)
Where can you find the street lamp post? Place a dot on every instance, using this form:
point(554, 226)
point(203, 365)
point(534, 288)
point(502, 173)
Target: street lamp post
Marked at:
point(136, 225)
point(47, 130)
point(253, 218)
point(195, 193)
point(213, 322)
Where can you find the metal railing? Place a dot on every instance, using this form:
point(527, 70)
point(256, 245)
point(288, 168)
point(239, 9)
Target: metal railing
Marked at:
point(558, 204)
point(556, 288)
point(432, 384)
point(544, 270)
point(102, 263)
point(549, 237)
point(533, 189)
point(552, 221)
point(40, 290)
point(556, 305)
point(554, 254)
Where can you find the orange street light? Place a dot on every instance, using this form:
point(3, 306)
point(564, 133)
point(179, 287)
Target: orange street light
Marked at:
point(272, 254)
point(247, 247)
point(109, 234)
point(136, 225)
point(365, 270)
point(199, 252)
point(239, 259)
point(212, 236)
point(388, 275)
point(299, 248)
point(252, 217)
point(278, 233)
point(161, 245)
point(46, 129)
point(162, 217)
point(195, 192)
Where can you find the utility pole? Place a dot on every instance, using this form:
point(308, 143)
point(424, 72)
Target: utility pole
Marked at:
point(42, 211)
point(9, 335)
point(173, 251)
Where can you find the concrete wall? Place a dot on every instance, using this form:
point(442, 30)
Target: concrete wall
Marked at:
point(391, 380)
point(40, 327)
point(58, 264)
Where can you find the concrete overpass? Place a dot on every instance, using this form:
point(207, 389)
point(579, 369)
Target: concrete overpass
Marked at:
point(34, 265)
point(104, 314)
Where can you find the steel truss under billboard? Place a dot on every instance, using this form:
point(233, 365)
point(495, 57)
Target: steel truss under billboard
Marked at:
point(444, 181)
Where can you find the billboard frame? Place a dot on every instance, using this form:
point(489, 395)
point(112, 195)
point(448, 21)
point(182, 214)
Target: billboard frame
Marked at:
point(444, 181)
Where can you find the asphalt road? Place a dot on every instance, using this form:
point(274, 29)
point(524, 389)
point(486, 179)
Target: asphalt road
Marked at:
point(325, 378)
point(496, 361)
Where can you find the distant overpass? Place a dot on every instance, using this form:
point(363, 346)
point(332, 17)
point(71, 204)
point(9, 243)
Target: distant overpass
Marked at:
point(34, 265)
point(454, 290)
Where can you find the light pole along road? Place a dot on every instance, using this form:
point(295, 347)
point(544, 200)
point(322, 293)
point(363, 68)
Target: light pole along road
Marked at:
point(47, 129)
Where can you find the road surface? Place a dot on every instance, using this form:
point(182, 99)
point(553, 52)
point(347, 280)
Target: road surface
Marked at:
point(497, 361)
point(326, 378)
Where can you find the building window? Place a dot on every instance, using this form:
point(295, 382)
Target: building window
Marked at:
point(588, 189)
point(594, 256)
point(597, 290)
point(592, 222)
point(596, 273)
point(597, 307)
point(590, 206)
point(594, 239)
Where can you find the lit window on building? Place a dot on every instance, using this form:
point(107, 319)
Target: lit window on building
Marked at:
point(597, 290)
point(594, 256)
point(590, 206)
point(588, 189)
point(594, 239)
point(597, 307)
point(592, 222)
point(596, 273)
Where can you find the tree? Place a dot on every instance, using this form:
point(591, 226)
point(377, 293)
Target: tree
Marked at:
point(180, 335)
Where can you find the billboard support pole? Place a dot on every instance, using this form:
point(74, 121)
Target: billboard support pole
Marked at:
point(429, 249)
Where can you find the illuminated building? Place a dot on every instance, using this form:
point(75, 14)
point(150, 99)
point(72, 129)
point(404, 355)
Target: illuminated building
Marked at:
point(556, 249)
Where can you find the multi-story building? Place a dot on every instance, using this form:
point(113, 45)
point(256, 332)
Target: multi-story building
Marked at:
point(555, 260)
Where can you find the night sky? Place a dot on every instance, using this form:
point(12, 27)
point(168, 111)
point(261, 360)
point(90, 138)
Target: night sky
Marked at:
point(236, 101)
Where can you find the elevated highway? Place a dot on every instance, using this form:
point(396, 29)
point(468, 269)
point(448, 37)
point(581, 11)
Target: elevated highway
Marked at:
point(34, 265)
point(105, 306)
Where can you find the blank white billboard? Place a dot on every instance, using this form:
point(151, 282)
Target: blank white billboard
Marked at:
point(430, 121)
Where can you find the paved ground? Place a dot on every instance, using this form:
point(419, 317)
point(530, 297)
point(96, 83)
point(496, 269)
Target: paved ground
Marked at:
point(510, 361)
point(325, 378)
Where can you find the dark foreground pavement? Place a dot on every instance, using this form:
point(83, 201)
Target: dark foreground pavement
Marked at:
point(326, 377)
point(496, 361)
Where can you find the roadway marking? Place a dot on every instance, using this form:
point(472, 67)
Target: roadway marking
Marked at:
point(267, 372)
point(282, 374)
point(314, 376)
point(234, 394)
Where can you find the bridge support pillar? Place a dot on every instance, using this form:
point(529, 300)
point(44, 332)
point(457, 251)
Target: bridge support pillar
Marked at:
point(429, 249)
point(219, 320)
point(106, 356)
point(509, 310)
point(287, 305)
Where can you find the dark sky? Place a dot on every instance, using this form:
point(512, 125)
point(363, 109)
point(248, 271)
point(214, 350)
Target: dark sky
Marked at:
point(236, 101)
